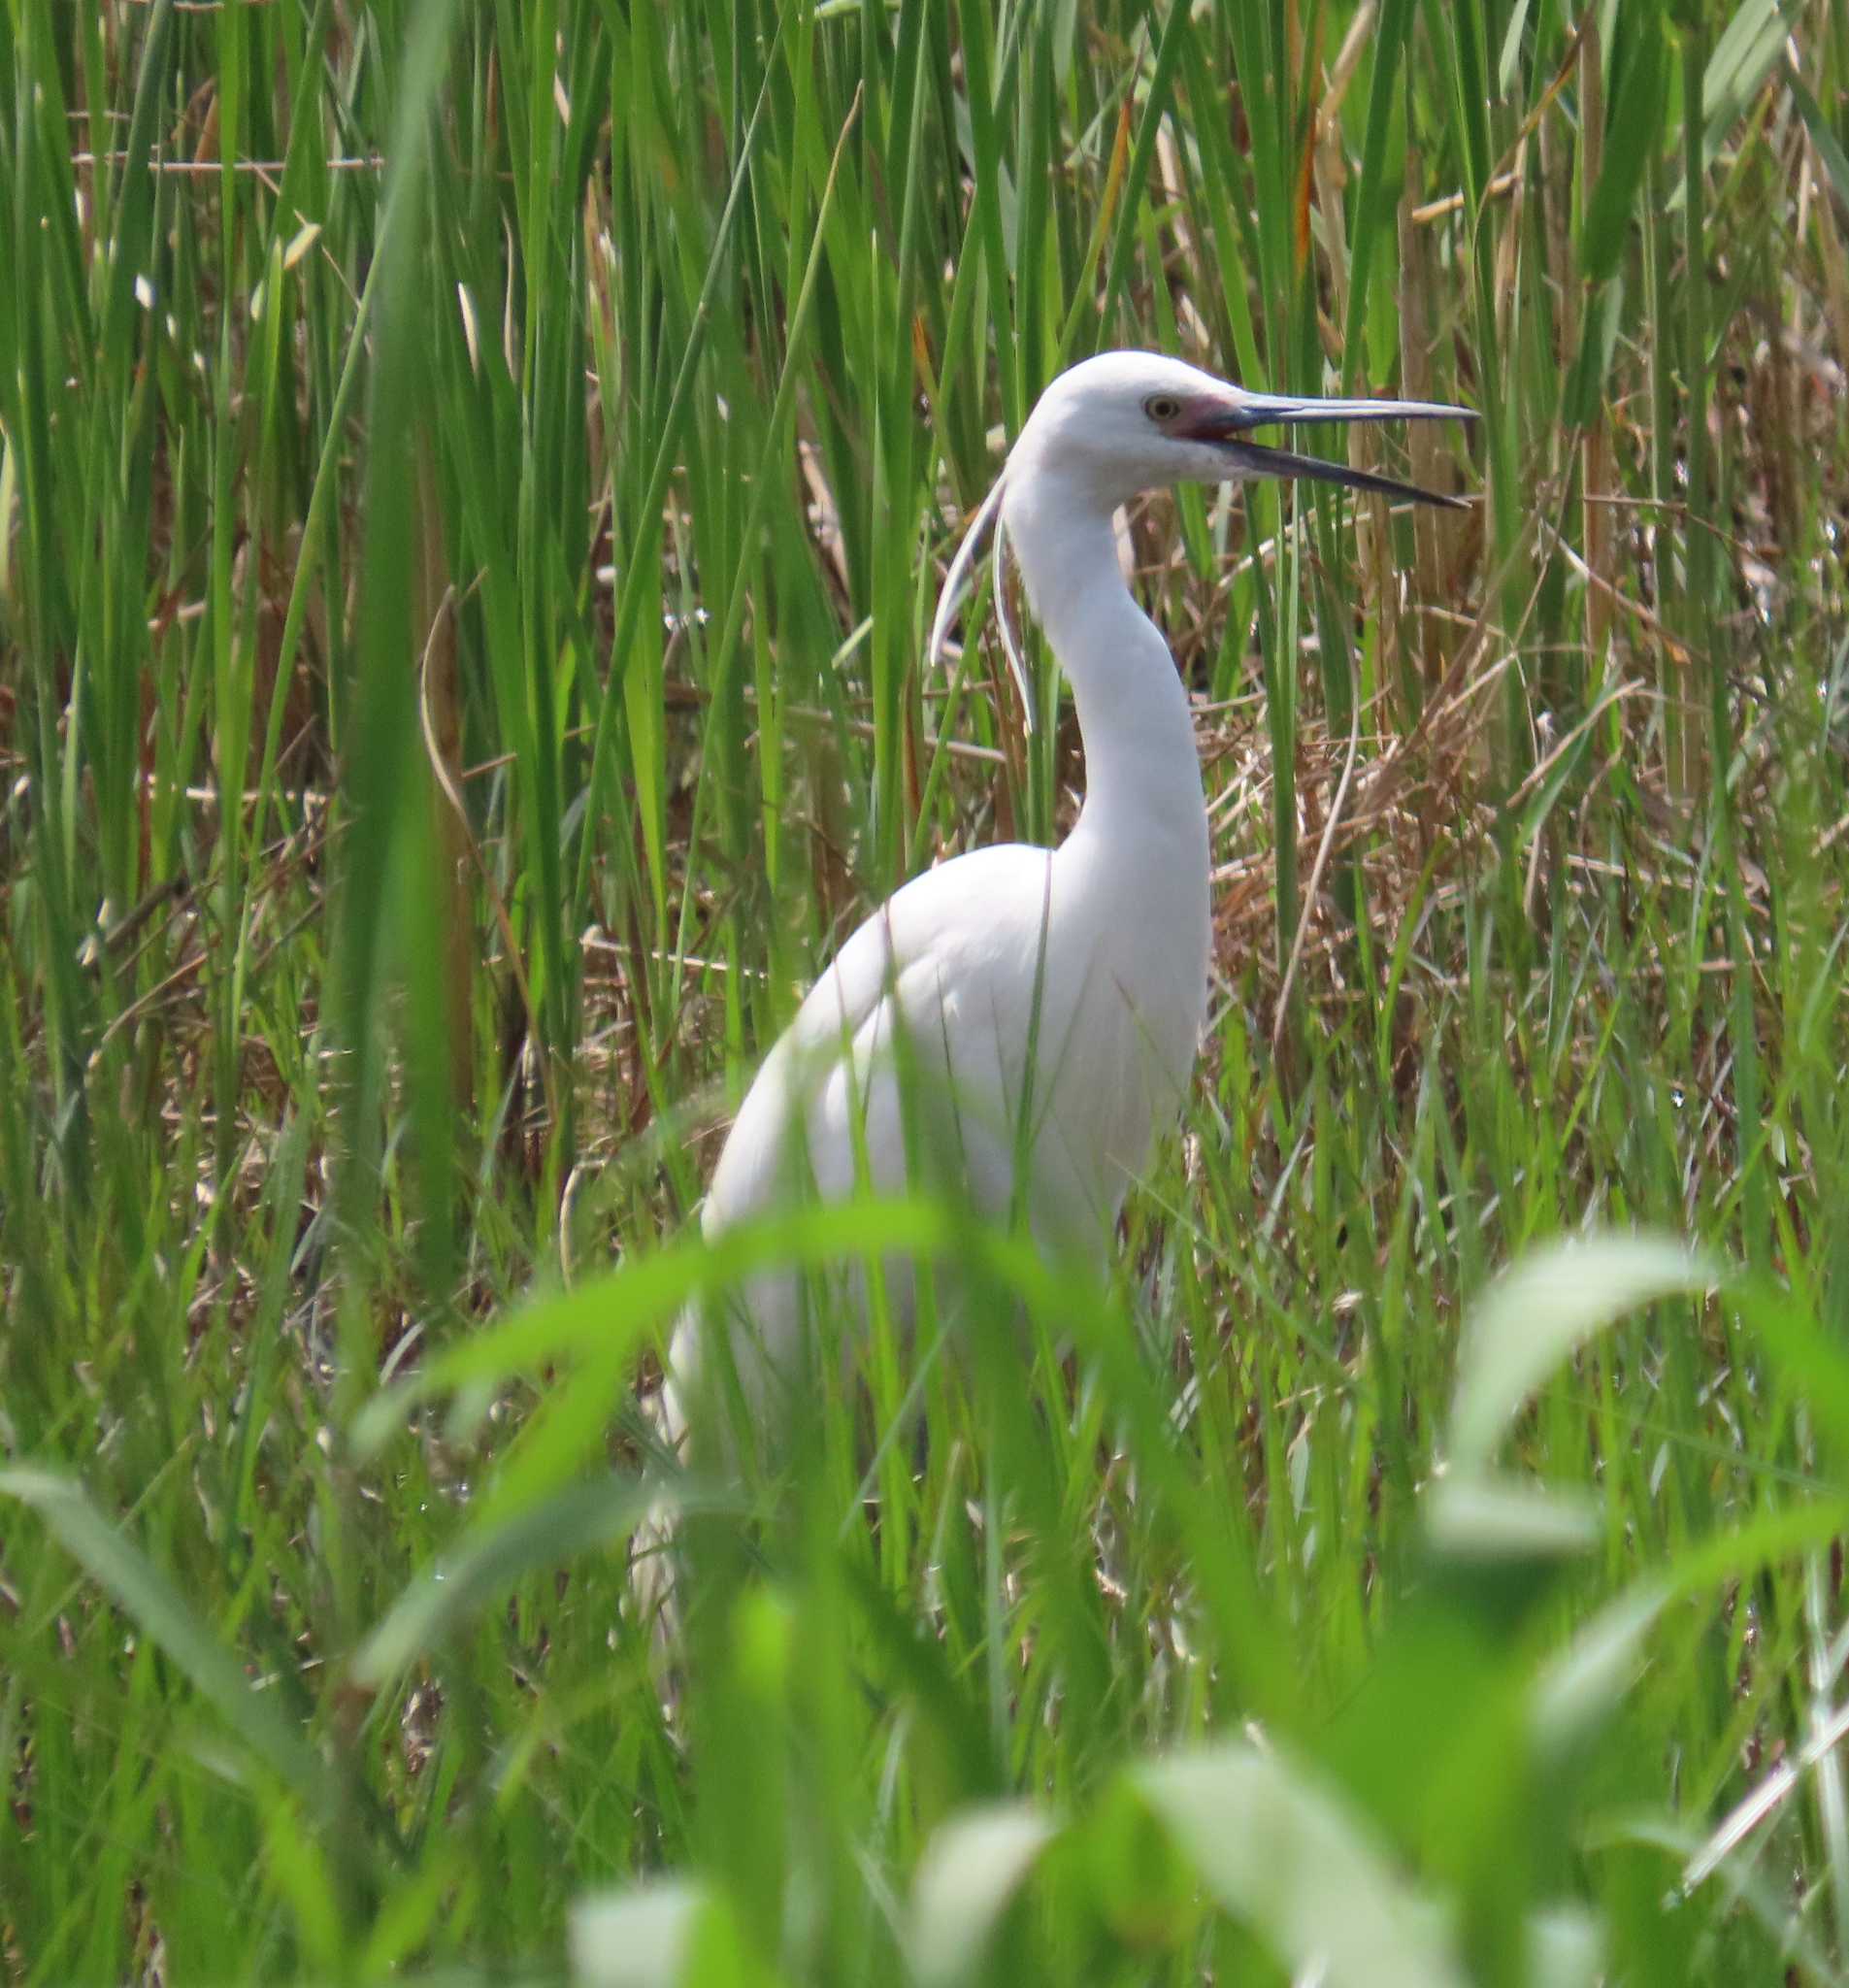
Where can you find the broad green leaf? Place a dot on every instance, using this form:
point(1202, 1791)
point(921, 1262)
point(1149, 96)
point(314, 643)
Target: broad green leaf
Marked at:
point(1566, 1948)
point(970, 1873)
point(1483, 1516)
point(623, 1307)
point(1582, 1685)
point(638, 1939)
point(1281, 1853)
point(488, 1559)
point(1743, 59)
point(1539, 1311)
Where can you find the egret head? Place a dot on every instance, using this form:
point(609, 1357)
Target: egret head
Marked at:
point(1125, 422)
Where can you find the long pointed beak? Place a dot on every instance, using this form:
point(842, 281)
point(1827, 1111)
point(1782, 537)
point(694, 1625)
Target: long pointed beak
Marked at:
point(1227, 425)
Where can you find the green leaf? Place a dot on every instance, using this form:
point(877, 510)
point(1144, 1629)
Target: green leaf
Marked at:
point(1582, 1685)
point(490, 1559)
point(611, 1316)
point(1373, 193)
point(636, 1938)
point(1285, 1856)
point(1583, 393)
point(1634, 123)
point(164, 1614)
point(1539, 1311)
point(970, 1873)
point(1742, 60)
point(1829, 150)
point(1566, 1948)
point(1479, 1516)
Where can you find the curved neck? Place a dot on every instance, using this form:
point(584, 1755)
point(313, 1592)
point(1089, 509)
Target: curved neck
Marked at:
point(1143, 774)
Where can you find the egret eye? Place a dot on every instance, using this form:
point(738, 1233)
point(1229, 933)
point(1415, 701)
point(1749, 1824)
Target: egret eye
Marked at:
point(1162, 407)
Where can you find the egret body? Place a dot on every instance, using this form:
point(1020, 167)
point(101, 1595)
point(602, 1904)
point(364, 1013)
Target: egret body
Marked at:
point(1049, 1001)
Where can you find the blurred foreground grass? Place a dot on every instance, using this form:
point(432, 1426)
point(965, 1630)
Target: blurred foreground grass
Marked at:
point(473, 479)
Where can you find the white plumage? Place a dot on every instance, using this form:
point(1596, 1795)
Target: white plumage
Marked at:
point(1095, 952)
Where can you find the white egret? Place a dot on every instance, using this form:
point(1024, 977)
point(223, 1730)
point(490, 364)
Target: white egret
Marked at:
point(1050, 999)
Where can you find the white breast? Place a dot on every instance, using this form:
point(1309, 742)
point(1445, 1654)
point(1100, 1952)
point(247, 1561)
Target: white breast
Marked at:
point(975, 961)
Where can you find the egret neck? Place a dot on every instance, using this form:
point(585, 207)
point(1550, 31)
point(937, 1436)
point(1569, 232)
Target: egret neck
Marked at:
point(1136, 860)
